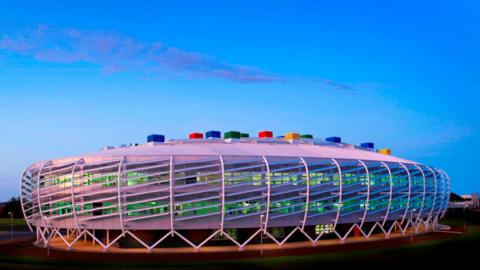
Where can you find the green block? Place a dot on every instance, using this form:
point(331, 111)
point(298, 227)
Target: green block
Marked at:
point(306, 136)
point(244, 135)
point(232, 135)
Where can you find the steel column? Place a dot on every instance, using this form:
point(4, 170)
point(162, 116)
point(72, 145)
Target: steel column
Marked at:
point(222, 203)
point(119, 193)
point(172, 203)
point(420, 212)
point(72, 191)
point(447, 195)
point(339, 192)
point(367, 201)
point(267, 214)
point(21, 198)
point(441, 194)
point(435, 180)
point(390, 194)
point(307, 199)
point(409, 191)
point(48, 163)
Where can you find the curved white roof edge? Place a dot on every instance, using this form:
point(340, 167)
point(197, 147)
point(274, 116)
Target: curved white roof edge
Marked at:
point(239, 148)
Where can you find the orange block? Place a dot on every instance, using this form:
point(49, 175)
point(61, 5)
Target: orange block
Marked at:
point(292, 136)
point(385, 151)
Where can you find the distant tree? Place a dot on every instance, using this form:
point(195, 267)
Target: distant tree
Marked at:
point(456, 198)
point(14, 206)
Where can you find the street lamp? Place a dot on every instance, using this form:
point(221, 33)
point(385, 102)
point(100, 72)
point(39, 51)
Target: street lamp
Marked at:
point(464, 217)
point(11, 225)
point(411, 223)
point(261, 235)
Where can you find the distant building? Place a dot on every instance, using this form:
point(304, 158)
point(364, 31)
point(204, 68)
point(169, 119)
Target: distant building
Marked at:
point(472, 199)
point(468, 200)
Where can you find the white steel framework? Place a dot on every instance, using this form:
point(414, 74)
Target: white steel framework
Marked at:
point(111, 198)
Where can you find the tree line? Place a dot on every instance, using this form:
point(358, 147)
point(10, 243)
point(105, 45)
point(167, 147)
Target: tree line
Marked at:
point(13, 205)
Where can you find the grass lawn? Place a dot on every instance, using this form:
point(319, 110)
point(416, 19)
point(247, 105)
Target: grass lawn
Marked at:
point(454, 249)
point(426, 253)
point(18, 224)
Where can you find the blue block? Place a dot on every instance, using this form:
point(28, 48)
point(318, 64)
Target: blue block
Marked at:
point(213, 134)
point(155, 138)
point(334, 139)
point(367, 145)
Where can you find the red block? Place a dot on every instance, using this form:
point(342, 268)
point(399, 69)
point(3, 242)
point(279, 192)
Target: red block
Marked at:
point(196, 136)
point(265, 134)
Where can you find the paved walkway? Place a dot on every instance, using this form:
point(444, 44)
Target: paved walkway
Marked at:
point(88, 252)
point(5, 235)
point(88, 246)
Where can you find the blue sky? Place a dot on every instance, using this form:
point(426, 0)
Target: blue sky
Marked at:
point(76, 77)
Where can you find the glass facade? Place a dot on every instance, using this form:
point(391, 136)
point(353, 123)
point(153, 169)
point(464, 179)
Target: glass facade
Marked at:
point(211, 192)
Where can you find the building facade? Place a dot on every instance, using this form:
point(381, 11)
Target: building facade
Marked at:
point(201, 190)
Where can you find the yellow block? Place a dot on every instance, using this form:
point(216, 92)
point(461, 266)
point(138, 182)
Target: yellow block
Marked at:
point(292, 136)
point(385, 151)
